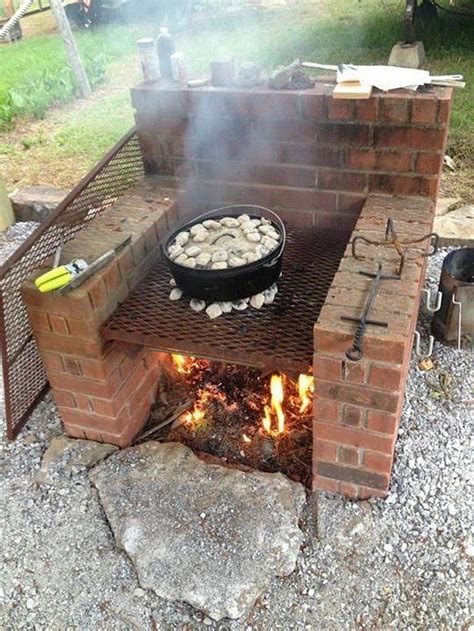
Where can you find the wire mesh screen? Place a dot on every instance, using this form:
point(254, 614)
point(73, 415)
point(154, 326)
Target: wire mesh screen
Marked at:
point(23, 372)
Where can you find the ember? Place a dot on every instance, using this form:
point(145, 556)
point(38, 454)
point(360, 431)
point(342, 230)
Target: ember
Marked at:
point(217, 408)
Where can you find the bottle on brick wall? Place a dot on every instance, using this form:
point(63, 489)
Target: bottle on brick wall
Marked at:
point(165, 48)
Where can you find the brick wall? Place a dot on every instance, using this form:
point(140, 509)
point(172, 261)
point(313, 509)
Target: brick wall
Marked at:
point(312, 158)
point(357, 405)
point(103, 391)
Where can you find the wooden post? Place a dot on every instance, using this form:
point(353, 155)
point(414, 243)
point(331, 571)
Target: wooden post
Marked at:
point(71, 48)
point(8, 8)
point(7, 218)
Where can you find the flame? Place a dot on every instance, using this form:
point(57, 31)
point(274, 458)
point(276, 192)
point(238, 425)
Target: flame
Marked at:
point(305, 390)
point(179, 362)
point(276, 389)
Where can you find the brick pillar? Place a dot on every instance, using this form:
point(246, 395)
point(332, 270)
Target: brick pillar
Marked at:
point(357, 405)
point(103, 391)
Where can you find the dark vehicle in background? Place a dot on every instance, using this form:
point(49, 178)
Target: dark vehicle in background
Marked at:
point(88, 13)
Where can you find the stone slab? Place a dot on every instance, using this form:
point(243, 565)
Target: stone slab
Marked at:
point(208, 535)
point(456, 227)
point(36, 203)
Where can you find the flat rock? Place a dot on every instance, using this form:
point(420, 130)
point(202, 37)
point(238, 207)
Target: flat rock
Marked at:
point(457, 226)
point(36, 203)
point(65, 452)
point(197, 532)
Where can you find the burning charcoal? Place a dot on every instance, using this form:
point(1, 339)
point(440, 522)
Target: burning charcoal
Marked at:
point(214, 310)
point(174, 251)
point(269, 243)
point(261, 251)
point(257, 301)
point(253, 236)
point(226, 307)
point(239, 305)
point(219, 265)
point(193, 251)
point(197, 305)
point(176, 294)
point(236, 261)
point(250, 256)
point(172, 282)
point(201, 236)
point(203, 259)
point(196, 228)
point(210, 224)
point(220, 255)
point(269, 296)
point(190, 262)
point(182, 238)
point(229, 222)
point(243, 219)
point(181, 259)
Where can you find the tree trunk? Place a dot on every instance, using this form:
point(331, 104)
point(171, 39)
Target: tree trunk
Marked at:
point(6, 211)
point(8, 8)
point(71, 48)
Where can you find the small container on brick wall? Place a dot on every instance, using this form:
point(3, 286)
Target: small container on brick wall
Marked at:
point(148, 59)
point(178, 68)
point(165, 47)
point(222, 72)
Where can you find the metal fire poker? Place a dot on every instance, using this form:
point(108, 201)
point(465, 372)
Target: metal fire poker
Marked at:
point(354, 353)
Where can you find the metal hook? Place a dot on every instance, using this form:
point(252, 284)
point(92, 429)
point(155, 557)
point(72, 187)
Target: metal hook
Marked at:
point(439, 298)
point(418, 346)
point(459, 304)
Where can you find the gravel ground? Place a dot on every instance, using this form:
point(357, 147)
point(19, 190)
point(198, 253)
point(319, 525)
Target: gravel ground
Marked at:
point(401, 563)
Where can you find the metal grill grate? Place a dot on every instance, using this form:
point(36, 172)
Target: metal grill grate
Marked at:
point(279, 336)
point(24, 376)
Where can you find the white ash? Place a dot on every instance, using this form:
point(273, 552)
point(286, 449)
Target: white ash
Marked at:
point(402, 563)
point(236, 241)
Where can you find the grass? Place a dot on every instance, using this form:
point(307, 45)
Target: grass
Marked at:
point(73, 137)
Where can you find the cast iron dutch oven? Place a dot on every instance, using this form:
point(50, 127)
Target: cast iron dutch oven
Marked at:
point(231, 283)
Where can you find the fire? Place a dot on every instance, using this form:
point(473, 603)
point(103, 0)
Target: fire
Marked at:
point(246, 438)
point(275, 409)
point(305, 390)
point(181, 363)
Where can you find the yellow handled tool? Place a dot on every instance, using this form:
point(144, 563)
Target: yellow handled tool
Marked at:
point(60, 276)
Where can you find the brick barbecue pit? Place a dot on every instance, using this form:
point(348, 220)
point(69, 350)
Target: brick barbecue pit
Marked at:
point(332, 170)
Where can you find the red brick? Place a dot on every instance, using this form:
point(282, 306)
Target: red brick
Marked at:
point(386, 377)
point(83, 403)
point(424, 111)
point(303, 199)
point(325, 450)
point(431, 163)
point(349, 456)
point(351, 475)
point(101, 369)
point(379, 160)
point(327, 411)
point(354, 437)
point(381, 422)
point(352, 415)
point(350, 204)
point(408, 138)
point(81, 385)
point(349, 490)
point(343, 134)
point(279, 105)
point(312, 105)
point(354, 372)
point(444, 111)
point(365, 493)
point(95, 422)
point(403, 185)
point(69, 345)
point(52, 361)
point(367, 110)
point(84, 329)
point(357, 395)
point(325, 484)
point(341, 180)
point(394, 109)
point(59, 324)
point(63, 398)
point(71, 366)
point(285, 130)
point(377, 462)
point(307, 153)
point(111, 274)
point(327, 368)
point(300, 218)
point(38, 320)
point(381, 349)
point(340, 109)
